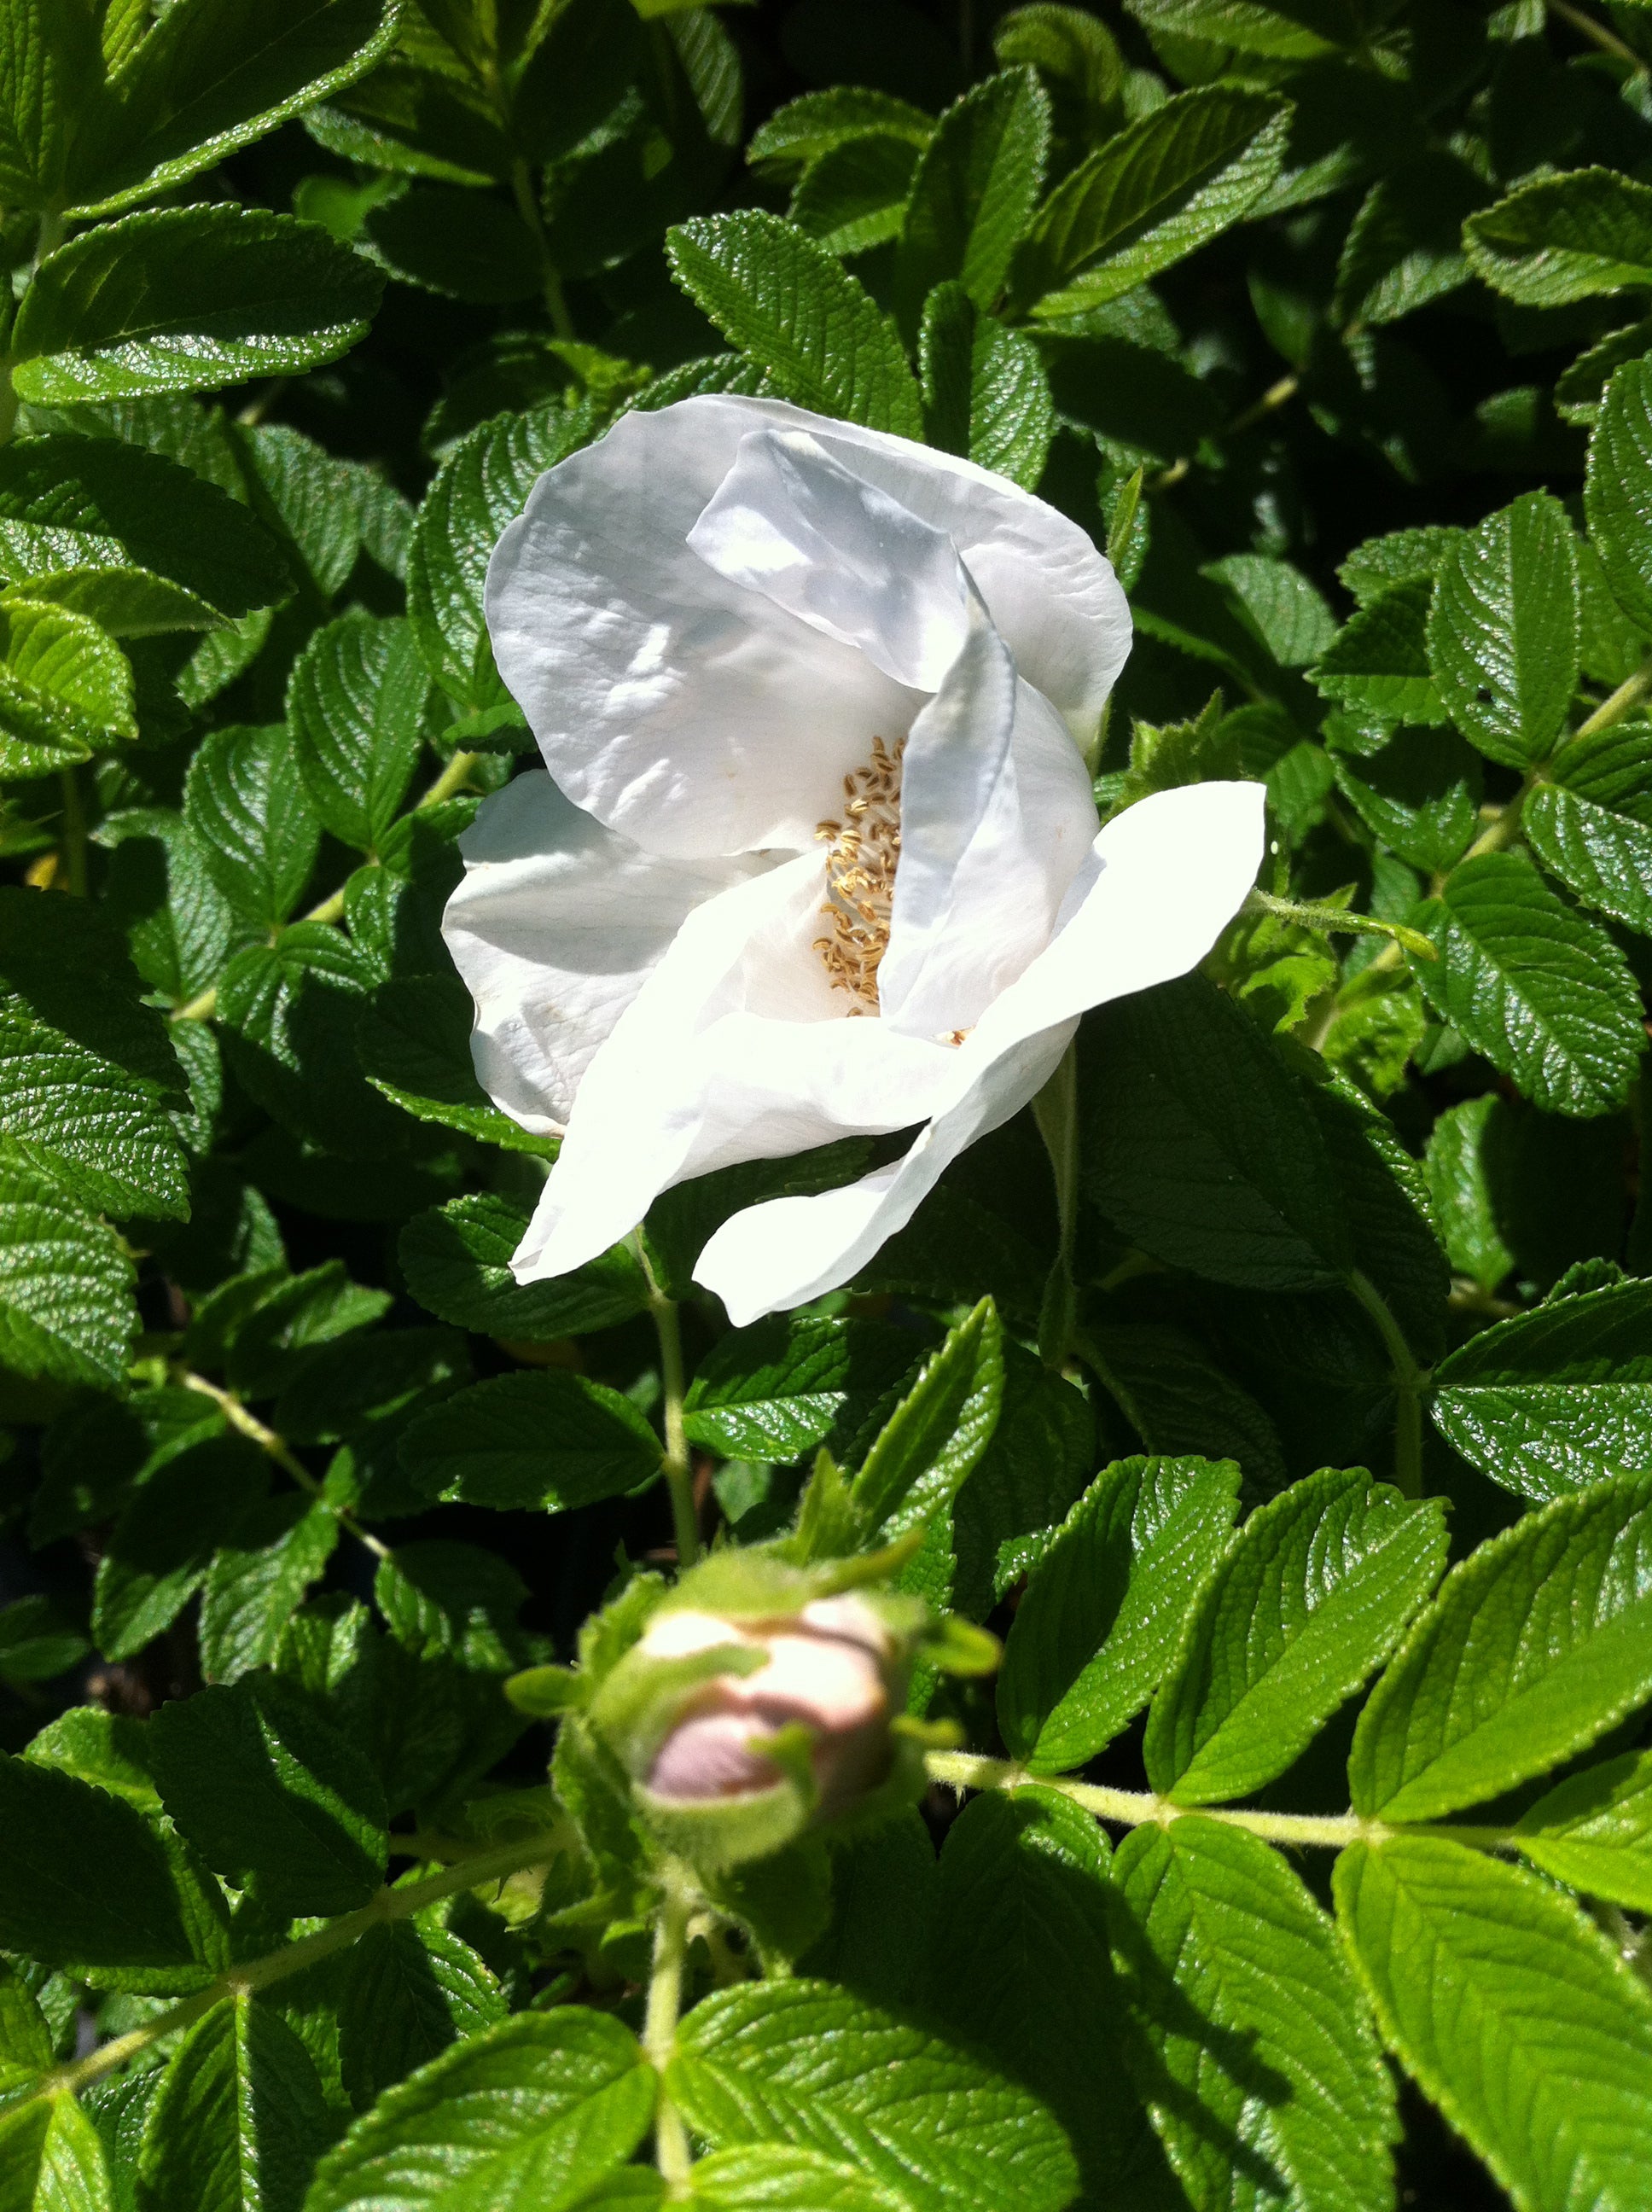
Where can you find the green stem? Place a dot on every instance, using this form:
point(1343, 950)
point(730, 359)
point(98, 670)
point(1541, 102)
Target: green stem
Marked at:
point(1337, 921)
point(675, 1464)
point(277, 1448)
point(74, 832)
point(472, 1872)
point(1411, 1384)
point(1608, 41)
point(672, 2152)
point(205, 1005)
point(1055, 1110)
point(550, 282)
point(1140, 1808)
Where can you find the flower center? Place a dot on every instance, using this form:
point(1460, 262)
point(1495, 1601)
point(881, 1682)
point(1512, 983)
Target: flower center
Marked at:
point(865, 847)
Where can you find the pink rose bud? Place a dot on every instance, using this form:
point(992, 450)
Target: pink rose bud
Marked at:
point(826, 1670)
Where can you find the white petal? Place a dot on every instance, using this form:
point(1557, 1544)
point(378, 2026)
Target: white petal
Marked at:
point(691, 714)
point(556, 927)
point(794, 524)
point(735, 1049)
point(1162, 881)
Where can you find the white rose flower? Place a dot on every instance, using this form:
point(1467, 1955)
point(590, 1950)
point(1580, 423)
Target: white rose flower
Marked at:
point(817, 854)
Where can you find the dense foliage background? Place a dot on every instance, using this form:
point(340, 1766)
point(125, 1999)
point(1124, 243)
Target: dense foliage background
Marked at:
point(1325, 317)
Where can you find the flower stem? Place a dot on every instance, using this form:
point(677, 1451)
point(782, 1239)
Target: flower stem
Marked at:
point(675, 1464)
point(1410, 1386)
point(277, 1448)
point(472, 1873)
point(671, 2153)
point(1338, 921)
point(1055, 1110)
point(73, 833)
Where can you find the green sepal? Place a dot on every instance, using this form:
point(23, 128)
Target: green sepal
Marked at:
point(956, 1646)
point(545, 1692)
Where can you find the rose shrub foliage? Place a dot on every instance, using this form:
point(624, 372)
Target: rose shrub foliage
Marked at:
point(825, 1313)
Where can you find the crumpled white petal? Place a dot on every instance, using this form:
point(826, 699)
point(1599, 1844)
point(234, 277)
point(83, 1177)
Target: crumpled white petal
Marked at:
point(1161, 881)
point(698, 715)
point(556, 927)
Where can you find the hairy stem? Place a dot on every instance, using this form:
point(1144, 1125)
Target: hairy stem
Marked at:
point(277, 1448)
point(472, 1873)
point(1410, 1386)
point(1138, 1808)
point(1608, 41)
point(671, 2153)
point(675, 1464)
point(1337, 921)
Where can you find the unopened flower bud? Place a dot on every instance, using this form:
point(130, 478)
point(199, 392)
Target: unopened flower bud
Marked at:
point(825, 1669)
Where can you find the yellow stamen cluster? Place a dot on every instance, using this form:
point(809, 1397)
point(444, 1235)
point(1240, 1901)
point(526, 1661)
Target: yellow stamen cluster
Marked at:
point(865, 847)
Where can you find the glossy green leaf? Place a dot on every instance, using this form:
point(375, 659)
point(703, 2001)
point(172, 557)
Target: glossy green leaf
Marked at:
point(48, 70)
point(273, 1796)
point(1541, 991)
point(356, 708)
point(1255, 2055)
point(1378, 664)
point(1618, 490)
point(254, 821)
point(1555, 1613)
point(853, 195)
point(185, 301)
point(540, 1437)
point(239, 2118)
point(256, 1584)
point(52, 2161)
point(414, 1044)
point(409, 1994)
point(1540, 2058)
point(1592, 824)
point(938, 1432)
point(1168, 184)
point(1310, 1600)
point(803, 2063)
point(807, 127)
point(457, 1262)
point(985, 391)
point(465, 244)
point(1098, 1626)
point(776, 1390)
point(1565, 237)
point(1594, 1831)
point(976, 185)
point(1502, 631)
point(784, 300)
point(532, 2113)
point(67, 1312)
point(1552, 1401)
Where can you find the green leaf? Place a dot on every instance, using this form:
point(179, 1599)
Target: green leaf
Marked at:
point(239, 2119)
point(125, 602)
point(247, 806)
point(779, 2177)
point(533, 2111)
point(1169, 183)
point(774, 1391)
point(256, 1585)
point(479, 487)
point(1295, 30)
point(356, 708)
point(52, 2161)
point(464, 244)
point(37, 1641)
point(48, 72)
point(1565, 237)
point(1098, 1624)
point(1421, 794)
point(1554, 1399)
point(1403, 247)
point(197, 1499)
point(65, 688)
point(803, 2063)
point(414, 1044)
point(1031, 1473)
point(985, 391)
point(1591, 825)
point(854, 196)
point(784, 300)
point(1542, 992)
point(1255, 2056)
point(1201, 1148)
point(1540, 2058)
point(273, 1797)
point(326, 511)
point(1022, 1882)
point(540, 1438)
point(976, 185)
point(1378, 664)
point(1593, 1831)
point(1181, 1402)
point(1537, 1644)
point(936, 1433)
point(1311, 1599)
point(1460, 1197)
point(1398, 557)
point(66, 1308)
point(457, 1262)
point(89, 1079)
point(186, 299)
point(213, 75)
point(409, 1993)
point(1503, 632)
point(77, 503)
point(813, 124)
point(60, 1905)
point(1277, 601)
point(1618, 490)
